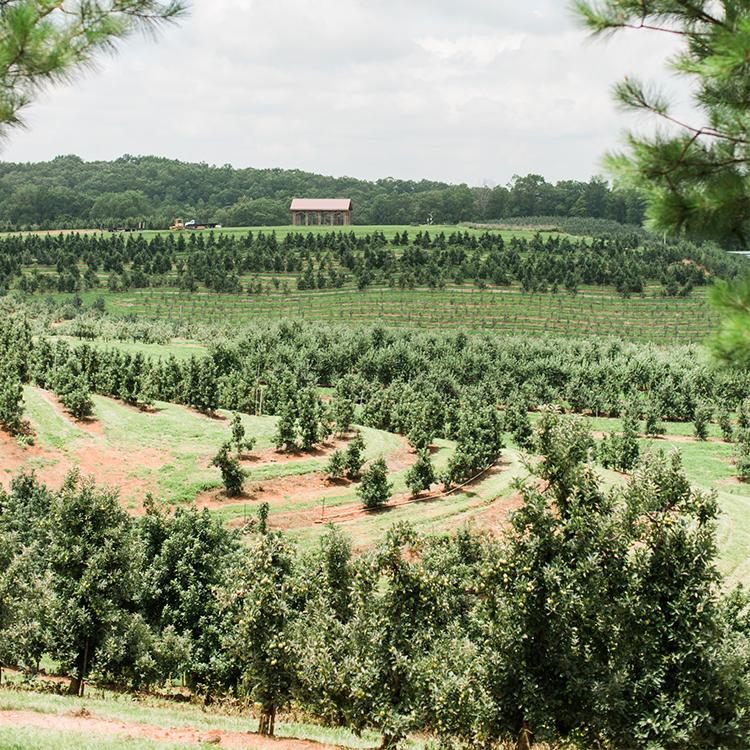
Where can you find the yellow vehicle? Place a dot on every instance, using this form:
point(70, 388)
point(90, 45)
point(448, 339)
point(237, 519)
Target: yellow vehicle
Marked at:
point(178, 225)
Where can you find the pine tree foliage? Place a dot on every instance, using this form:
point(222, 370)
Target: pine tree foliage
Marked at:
point(731, 345)
point(694, 170)
point(43, 42)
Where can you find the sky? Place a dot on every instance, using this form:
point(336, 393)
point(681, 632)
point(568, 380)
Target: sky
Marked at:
point(468, 91)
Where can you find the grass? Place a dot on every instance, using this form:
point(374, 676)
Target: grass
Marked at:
point(180, 349)
point(32, 738)
point(166, 714)
point(594, 311)
point(167, 452)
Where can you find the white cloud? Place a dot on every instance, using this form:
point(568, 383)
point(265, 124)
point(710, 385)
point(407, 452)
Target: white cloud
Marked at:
point(472, 91)
point(479, 50)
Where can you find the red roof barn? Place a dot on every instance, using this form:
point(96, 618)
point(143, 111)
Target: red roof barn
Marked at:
point(320, 211)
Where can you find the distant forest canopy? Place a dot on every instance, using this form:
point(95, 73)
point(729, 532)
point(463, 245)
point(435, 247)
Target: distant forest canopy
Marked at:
point(69, 193)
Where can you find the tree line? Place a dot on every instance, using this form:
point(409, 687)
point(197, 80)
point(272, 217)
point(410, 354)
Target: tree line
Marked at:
point(627, 262)
point(68, 192)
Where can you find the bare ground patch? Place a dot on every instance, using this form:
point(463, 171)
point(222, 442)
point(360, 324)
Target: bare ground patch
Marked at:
point(82, 723)
point(301, 488)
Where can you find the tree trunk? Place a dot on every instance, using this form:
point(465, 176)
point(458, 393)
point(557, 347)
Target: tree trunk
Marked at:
point(85, 667)
point(525, 737)
point(267, 723)
point(76, 686)
point(390, 741)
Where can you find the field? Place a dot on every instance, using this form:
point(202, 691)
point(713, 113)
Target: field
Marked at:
point(166, 452)
point(214, 600)
point(327, 284)
point(592, 312)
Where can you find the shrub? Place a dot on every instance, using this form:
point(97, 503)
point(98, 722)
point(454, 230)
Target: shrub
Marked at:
point(342, 414)
point(621, 451)
point(725, 425)
point(516, 421)
point(742, 454)
point(354, 457)
point(652, 420)
point(336, 466)
point(239, 441)
point(72, 388)
point(11, 396)
point(375, 489)
point(701, 420)
point(232, 474)
point(421, 475)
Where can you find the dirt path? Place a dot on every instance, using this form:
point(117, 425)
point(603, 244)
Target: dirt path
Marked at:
point(87, 724)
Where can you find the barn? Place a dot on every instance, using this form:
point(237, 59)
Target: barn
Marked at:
point(321, 211)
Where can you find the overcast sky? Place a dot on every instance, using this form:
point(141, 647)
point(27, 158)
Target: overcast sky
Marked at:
point(458, 90)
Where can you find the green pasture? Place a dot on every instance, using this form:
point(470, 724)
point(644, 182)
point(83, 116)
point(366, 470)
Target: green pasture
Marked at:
point(593, 311)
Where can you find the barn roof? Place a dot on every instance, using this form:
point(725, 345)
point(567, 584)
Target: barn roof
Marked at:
point(321, 204)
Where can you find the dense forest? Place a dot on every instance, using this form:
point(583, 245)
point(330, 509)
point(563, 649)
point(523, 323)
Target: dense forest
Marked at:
point(68, 192)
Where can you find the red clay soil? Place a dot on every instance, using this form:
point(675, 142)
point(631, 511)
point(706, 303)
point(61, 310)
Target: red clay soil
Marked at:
point(302, 487)
point(85, 724)
point(495, 515)
point(497, 508)
point(92, 456)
